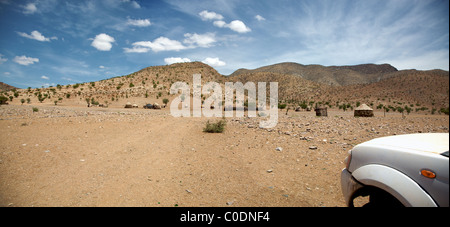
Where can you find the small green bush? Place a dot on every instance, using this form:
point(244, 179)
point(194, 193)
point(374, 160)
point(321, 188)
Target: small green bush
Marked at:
point(217, 127)
point(3, 100)
point(35, 109)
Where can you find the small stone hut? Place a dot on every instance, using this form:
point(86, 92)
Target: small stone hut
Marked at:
point(363, 111)
point(156, 106)
point(321, 111)
point(128, 105)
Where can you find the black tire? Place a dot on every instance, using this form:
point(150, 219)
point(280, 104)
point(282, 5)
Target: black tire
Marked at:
point(379, 198)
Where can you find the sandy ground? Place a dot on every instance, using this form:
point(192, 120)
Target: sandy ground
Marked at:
point(79, 156)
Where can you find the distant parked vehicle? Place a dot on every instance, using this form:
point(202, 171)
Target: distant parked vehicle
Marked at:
point(404, 170)
point(148, 106)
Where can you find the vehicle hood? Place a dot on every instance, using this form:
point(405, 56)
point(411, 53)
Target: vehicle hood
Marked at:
point(409, 154)
point(422, 142)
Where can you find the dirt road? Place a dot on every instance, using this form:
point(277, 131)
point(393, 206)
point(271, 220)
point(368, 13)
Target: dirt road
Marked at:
point(71, 156)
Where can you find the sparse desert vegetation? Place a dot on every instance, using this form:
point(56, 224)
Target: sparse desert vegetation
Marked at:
point(217, 127)
point(375, 85)
point(76, 145)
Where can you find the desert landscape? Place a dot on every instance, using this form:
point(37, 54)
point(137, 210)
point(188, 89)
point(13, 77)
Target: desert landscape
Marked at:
point(76, 144)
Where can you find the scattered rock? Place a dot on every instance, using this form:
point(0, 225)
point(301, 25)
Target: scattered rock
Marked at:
point(279, 149)
point(270, 170)
point(313, 147)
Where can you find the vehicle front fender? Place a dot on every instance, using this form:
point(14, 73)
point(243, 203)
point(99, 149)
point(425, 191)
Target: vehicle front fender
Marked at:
point(403, 188)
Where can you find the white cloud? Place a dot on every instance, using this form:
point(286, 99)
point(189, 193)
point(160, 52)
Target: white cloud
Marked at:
point(205, 15)
point(205, 40)
point(219, 23)
point(136, 49)
point(24, 60)
point(48, 85)
point(103, 42)
point(45, 77)
point(260, 18)
point(173, 60)
point(214, 62)
point(36, 36)
point(159, 44)
point(2, 59)
point(30, 8)
point(165, 44)
point(101, 67)
point(236, 25)
point(139, 22)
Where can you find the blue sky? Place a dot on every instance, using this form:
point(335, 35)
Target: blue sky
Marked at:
point(49, 42)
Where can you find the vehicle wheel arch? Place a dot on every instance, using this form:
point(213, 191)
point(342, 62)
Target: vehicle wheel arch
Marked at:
point(378, 197)
point(393, 182)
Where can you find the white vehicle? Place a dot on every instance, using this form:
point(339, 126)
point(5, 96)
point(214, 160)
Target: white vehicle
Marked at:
point(404, 170)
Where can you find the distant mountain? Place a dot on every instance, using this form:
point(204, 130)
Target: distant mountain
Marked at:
point(368, 68)
point(6, 87)
point(413, 88)
point(366, 83)
point(331, 75)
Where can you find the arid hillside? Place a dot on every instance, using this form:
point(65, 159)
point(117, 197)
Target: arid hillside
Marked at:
point(6, 87)
point(380, 86)
point(417, 89)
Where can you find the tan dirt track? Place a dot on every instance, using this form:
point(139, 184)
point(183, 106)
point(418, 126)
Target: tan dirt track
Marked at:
point(74, 156)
